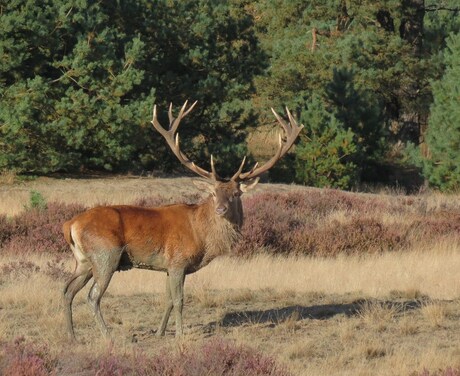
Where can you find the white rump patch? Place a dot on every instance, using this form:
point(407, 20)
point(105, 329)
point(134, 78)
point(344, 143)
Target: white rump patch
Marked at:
point(77, 248)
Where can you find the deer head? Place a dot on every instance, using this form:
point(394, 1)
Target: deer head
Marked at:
point(226, 192)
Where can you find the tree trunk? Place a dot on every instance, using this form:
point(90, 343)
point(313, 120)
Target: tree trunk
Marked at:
point(411, 30)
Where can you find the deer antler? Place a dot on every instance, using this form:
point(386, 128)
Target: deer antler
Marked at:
point(172, 138)
point(291, 132)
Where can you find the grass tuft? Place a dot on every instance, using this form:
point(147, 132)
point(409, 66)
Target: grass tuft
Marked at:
point(435, 313)
point(377, 315)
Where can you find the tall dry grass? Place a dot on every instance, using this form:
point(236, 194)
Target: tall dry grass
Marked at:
point(415, 273)
point(89, 192)
point(375, 340)
point(431, 272)
point(384, 339)
point(392, 313)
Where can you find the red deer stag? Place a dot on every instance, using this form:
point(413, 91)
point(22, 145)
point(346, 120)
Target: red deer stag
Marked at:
point(176, 239)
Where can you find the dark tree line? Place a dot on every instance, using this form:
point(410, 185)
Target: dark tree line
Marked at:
point(374, 82)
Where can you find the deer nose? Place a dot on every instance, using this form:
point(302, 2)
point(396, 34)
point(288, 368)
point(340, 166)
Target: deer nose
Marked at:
point(221, 210)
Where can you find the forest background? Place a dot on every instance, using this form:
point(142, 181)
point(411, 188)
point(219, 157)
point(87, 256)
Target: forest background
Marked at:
point(376, 84)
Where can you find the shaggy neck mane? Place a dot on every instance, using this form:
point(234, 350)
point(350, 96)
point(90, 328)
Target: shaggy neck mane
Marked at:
point(221, 232)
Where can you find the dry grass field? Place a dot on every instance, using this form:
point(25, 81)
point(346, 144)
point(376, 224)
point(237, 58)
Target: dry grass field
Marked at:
point(381, 313)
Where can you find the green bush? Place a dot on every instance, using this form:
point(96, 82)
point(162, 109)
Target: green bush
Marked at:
point(326, 151)
point(36, 201)
point(441, 167)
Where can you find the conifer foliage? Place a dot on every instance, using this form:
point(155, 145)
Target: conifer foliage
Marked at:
point(78, 80)
point(442, 164)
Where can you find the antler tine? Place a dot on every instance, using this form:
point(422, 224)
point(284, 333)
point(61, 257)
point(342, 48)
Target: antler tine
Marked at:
point(170, 115)
point(281, 121)
point(156, 124)
point(253, 168)
point(190, 108)
point(181, 112)
point(240, 170)
point(213, 169)
point(291, 118)
point(154, 114)
point(172, 138)
point(174, 122)
point(291, 132)
point(191, 165)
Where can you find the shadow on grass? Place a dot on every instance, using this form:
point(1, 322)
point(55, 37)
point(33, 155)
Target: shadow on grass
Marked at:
point(276, 316)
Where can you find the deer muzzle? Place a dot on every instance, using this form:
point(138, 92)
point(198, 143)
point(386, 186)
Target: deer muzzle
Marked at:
point(221, 210)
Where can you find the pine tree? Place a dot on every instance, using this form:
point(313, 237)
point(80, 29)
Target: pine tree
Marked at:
point(354, 49)
point(69, 81)
point(327, 150)
point(442, 167)
point(78, 81)
point(359, 111)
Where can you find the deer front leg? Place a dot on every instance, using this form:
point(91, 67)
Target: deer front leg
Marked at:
point(168, 309)
point(176, 284)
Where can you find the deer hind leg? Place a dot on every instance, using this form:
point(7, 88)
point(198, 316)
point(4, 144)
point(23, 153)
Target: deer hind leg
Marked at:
point(79, 279)
point(176, 284)
point(105, 263)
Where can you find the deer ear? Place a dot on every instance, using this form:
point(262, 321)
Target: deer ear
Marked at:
point(204, 185)
point(247, 186)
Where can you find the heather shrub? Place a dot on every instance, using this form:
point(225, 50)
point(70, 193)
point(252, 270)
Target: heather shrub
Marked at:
point(6, 229)
point(333, 200)
point(317, 222)
point(217, 357)
point(110, 364)
point(267, 218)
point(270, 219)
point(154, 201)
point(296, 223)
point(434, 227)
point(15, 269)
point(39, 230)
point(56, 268)
point(356, 236)
point(305, 223)
point(449, 371)
point(25, 359)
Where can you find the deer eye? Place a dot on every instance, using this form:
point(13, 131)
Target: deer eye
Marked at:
point(236, 194)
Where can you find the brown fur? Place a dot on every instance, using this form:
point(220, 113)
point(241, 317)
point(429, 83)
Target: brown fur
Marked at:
point(178, 239)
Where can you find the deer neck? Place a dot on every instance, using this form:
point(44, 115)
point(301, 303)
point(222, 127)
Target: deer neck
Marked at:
point(219, 232)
